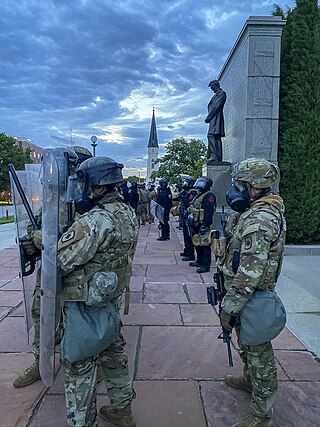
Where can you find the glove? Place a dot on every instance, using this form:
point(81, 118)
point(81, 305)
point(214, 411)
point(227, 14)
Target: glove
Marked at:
point(226, 320)
point(36, 236)
point(28, 246)
point(202, 230)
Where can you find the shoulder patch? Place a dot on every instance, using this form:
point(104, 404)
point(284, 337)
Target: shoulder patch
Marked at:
point(68, 236)
point(248, 243)
point(212, 199)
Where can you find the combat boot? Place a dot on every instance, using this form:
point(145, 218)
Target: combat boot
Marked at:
point(238, 382)
point(118, 417)
point(253, 421)
point(30, 375)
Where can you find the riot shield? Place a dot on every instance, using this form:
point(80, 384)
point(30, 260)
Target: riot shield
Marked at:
point(54, 220)
point(157, 210)
point(26, 194)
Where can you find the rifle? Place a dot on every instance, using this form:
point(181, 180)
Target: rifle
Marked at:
point(215, 295)
point(24, 199)
point(28, 262)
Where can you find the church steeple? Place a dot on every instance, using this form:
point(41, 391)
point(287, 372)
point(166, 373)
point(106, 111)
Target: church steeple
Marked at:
point(153, 139)
point(153, 148)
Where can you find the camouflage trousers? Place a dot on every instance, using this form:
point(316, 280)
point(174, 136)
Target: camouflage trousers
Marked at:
point(80, 384)
point(261, 371)
point(142, 213)
point(35, 313)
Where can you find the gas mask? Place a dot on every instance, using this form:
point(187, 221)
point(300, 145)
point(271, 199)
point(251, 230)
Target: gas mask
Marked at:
point(238, 200)
point(79, 194)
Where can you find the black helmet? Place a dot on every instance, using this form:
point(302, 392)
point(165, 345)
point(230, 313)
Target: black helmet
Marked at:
point(82, 153)
point(203, 184)
point(100, 171)
point(163, 183)
point(188, 182)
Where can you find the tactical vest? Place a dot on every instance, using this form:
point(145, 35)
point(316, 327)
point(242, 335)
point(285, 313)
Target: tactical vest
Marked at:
point(259, 212)
point(117, 257)
point(196, 208)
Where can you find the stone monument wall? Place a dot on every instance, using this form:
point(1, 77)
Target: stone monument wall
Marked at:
point(251, 79)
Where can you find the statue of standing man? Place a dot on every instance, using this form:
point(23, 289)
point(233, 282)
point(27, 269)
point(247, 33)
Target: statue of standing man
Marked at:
point(216, 121)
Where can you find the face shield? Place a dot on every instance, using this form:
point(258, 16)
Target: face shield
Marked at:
point(201, 183)
point(75, 189)
point(185, 185)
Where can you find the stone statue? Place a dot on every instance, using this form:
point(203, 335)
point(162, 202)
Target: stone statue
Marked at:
point(216, 121)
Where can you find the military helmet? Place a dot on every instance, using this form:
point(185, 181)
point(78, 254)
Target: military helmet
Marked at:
point(258, 172)
point(188, 182)
point(100, 171)
point(204, 183)
point(82, 153)
point(163, 183)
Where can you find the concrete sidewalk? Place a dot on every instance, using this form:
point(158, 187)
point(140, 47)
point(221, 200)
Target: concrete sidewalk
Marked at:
point(176, 360)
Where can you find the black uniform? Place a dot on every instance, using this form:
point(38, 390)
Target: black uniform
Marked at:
point(186, 201)
point(134, 197)
point(164, 199)
point(206, 202)
point(124, 191)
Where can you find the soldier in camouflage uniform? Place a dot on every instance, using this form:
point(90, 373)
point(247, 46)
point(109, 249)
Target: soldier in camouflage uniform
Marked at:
point(142, 208)
point(252, 262)
point(34, 242)
point(101, 239)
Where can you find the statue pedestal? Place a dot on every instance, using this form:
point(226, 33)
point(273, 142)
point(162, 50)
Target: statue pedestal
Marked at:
point(220, 173)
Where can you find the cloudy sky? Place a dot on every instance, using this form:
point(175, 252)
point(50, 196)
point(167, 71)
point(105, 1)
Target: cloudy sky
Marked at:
point(76, 68)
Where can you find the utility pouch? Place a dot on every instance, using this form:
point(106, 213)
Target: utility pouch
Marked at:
point(262, 318)
point(101, 288)
point(218, 246)
point(88, 330)
point(205, 239)
point(196, 240)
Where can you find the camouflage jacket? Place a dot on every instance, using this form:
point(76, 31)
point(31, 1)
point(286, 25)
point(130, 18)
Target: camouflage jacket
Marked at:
point(103, 239)
point(254, 251)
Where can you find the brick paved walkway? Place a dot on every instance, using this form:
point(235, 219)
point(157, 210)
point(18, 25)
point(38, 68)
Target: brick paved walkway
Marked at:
point(176, 360)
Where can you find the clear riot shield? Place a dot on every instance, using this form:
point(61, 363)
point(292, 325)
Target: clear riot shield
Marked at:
point(54, 220)
point(28, 193)
point(157, 210)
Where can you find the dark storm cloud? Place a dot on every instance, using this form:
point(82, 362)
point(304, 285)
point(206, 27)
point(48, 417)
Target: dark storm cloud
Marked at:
point(98, 67)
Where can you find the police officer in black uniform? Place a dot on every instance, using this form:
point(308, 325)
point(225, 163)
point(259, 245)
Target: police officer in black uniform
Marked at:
point(134, 196)
point(200, 219)
point(124, 191)
point(187, 194)
point(164, 199)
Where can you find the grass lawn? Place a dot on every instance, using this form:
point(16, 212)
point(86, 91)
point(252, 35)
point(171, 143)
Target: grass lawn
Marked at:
point(5, 220)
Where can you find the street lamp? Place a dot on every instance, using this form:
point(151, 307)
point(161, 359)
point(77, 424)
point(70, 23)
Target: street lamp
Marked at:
point(94, 144)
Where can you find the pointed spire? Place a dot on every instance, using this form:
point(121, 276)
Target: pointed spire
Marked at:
point(153, 139)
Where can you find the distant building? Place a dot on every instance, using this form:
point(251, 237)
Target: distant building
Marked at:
point(36, 152)
point(153, 149)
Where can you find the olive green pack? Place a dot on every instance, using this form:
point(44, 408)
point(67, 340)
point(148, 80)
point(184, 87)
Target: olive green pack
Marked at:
point(262, 318)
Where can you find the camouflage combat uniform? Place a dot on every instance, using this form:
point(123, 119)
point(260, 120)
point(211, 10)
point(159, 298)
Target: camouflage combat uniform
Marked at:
point(99, 240)
point(142, 208)
point(252, 262)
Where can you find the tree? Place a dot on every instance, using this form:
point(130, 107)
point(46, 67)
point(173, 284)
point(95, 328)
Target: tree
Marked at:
point(299, 122)
point(132, 178)
point(181, 157)
point(11, 153)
